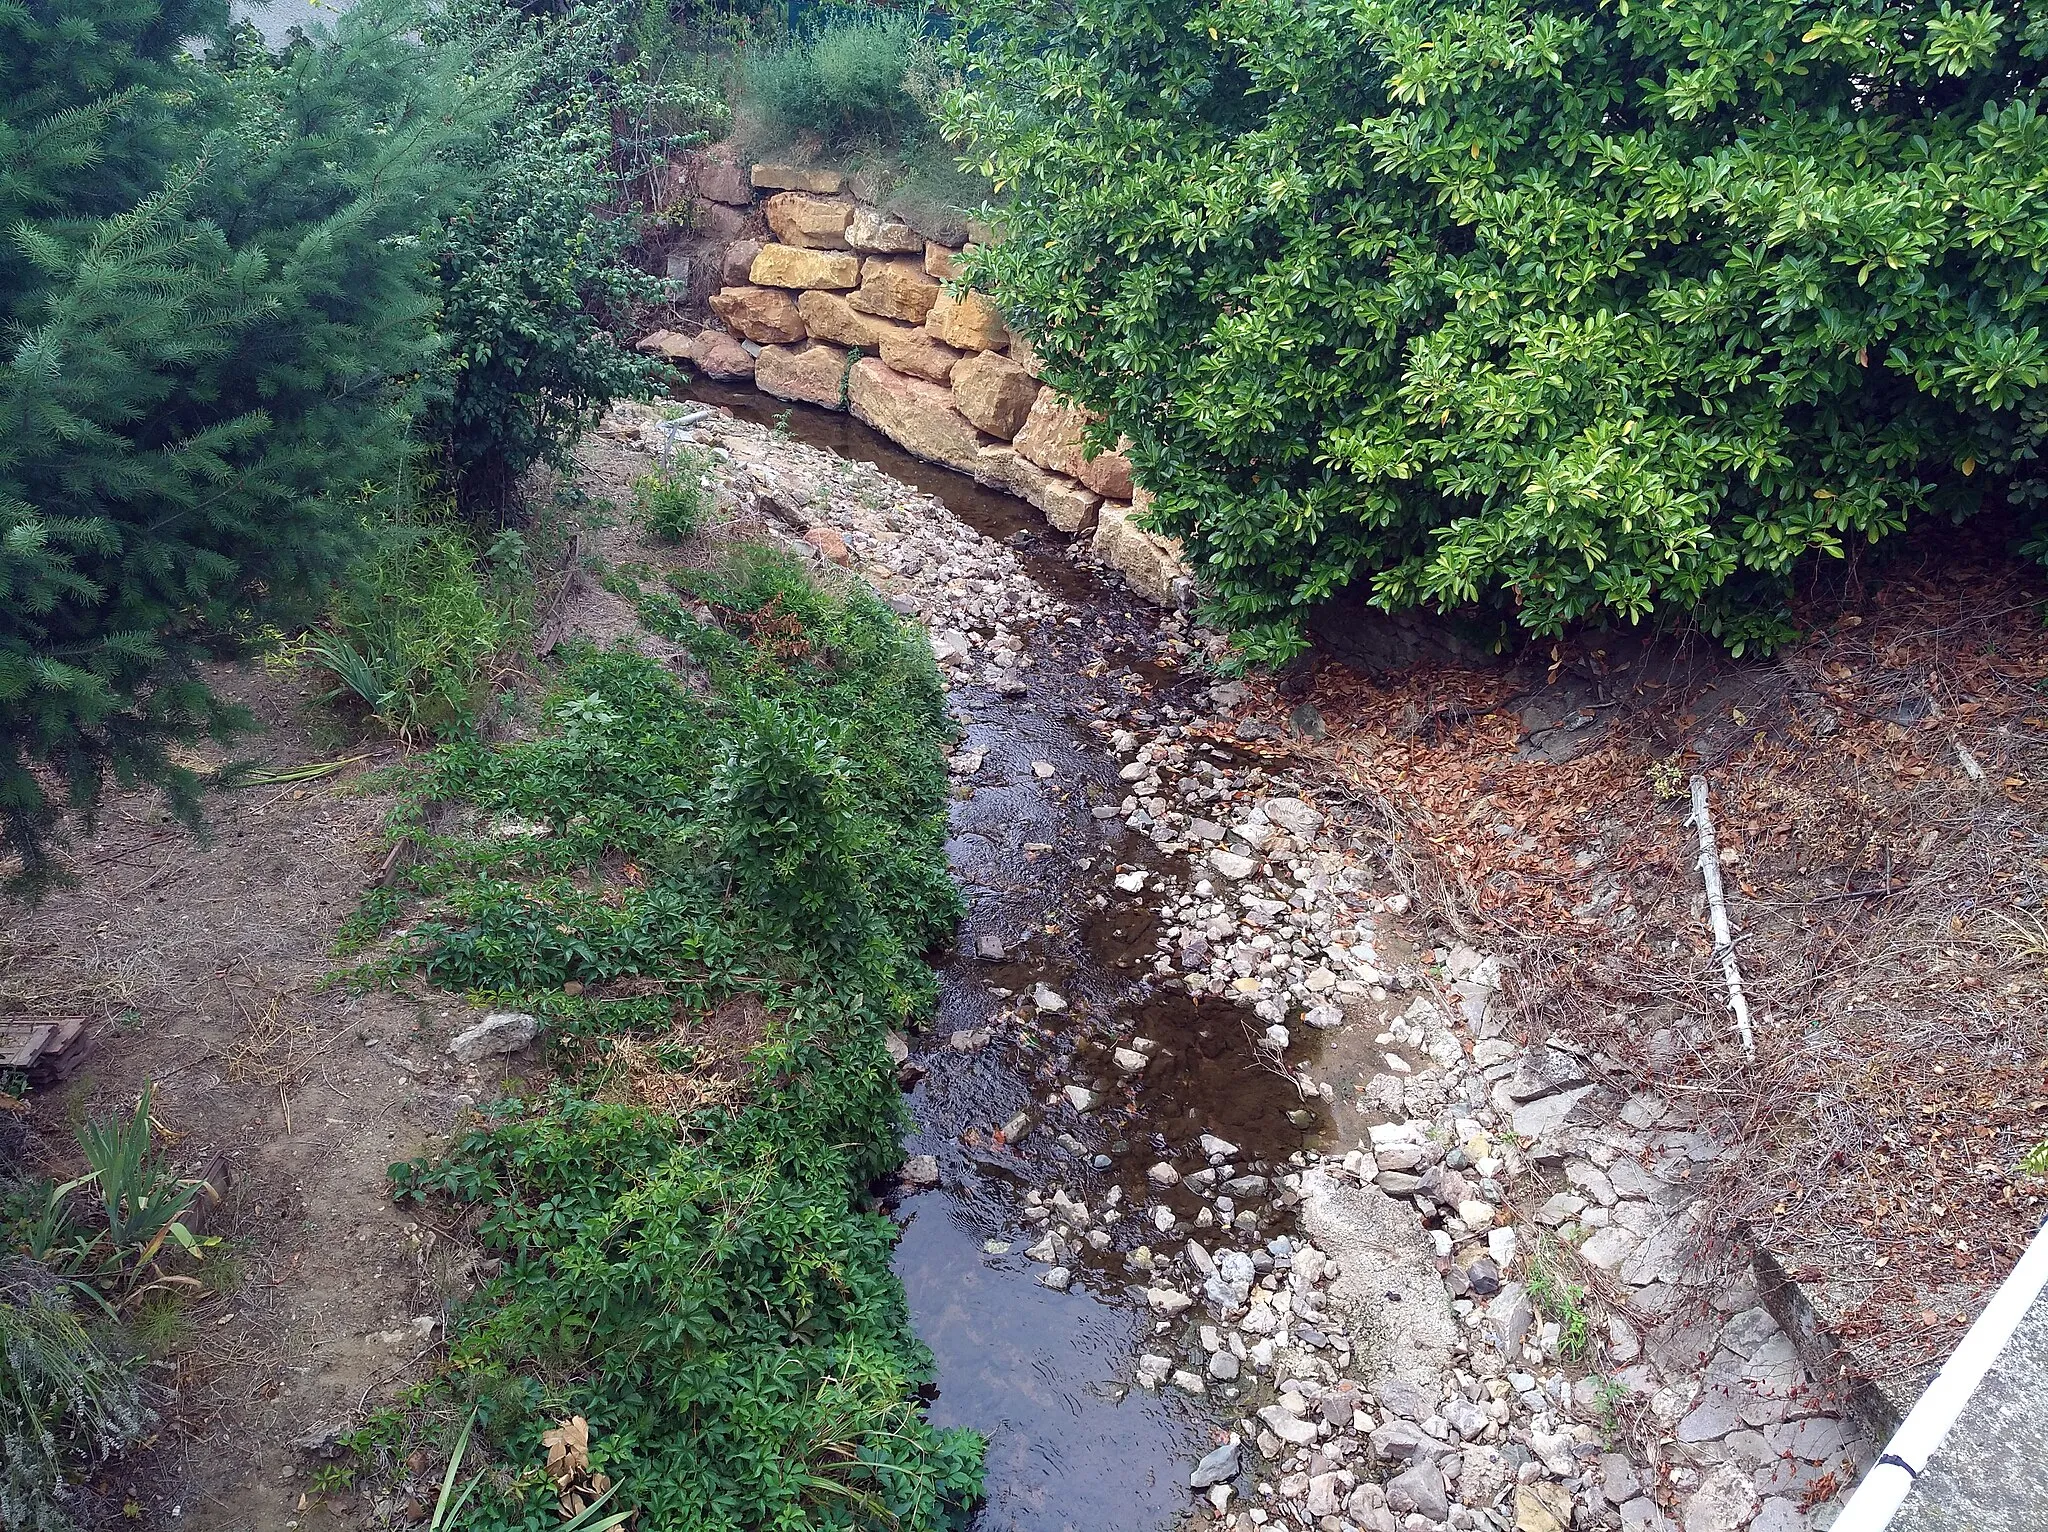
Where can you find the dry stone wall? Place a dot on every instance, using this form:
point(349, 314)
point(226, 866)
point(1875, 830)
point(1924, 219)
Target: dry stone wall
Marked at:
point(845, 307)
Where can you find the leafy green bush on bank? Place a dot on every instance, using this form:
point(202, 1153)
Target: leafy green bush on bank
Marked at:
point(1582, 311)
point(735, 888)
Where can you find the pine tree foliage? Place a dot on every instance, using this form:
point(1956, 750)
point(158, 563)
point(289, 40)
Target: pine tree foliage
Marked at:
point(216, 304)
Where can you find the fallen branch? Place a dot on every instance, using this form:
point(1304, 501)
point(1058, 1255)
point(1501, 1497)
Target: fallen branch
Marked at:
point(1717, 913)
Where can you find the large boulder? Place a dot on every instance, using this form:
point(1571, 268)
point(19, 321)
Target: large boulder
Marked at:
point(664, 343)
point(823, 183)
point(1380, 1247)
point(1067, 505)
point(918, 416)
point(767, 315)
point(713, 223)
point(789, 266)
point(968, 321)
point(893, 289)
point(737, 261)
point(875, 233)
point(907, 348)
point(828, 316)
point(995, 393)
point(941, 261)
point(721, 358)
point(1051, 437)
point(1108, 474)
point(1151, 563)
point(812, 223)
point(814, 373)
point(1026, 358)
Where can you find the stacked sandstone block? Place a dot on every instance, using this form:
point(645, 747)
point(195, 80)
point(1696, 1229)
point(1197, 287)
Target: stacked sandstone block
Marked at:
point(938, 373)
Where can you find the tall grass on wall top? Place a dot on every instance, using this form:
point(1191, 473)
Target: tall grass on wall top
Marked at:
point(842, 79)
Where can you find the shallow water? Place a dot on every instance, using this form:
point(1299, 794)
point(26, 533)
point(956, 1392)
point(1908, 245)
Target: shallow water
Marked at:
point(1072, 1446)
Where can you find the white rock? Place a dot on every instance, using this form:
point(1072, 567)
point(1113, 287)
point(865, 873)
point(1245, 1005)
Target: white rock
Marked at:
point(1294, 816)
point(1724, 1502)
point(498, 1033)
point(1290, 1428)
point(1231, 865)
point(1502, 1245)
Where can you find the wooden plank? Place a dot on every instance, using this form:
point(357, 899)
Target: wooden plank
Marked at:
point(63, 1054)
point(23, 1042)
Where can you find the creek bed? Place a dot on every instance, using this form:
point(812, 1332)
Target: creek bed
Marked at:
point(1074, 1446)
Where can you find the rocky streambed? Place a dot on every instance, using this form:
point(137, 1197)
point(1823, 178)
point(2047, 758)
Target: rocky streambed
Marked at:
point(1230, 1202)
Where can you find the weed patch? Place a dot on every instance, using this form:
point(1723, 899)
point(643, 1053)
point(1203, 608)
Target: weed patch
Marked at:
point(672, 503)
point(65, 1402)
point(1560, 1300)
point(412, 635)
point(845, 82)
point(718, 901)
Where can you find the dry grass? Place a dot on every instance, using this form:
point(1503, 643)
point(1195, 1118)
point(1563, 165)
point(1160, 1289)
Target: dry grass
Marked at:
point(700, 1063)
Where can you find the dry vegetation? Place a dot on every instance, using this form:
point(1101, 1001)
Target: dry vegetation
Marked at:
point(1879, 794)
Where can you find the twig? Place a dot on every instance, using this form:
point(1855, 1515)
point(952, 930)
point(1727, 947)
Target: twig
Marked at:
point(379, 1377)
point(1717, 909)
point(1971, 768)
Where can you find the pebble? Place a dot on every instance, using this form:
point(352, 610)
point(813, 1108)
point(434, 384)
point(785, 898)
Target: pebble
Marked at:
point(1217, 1467)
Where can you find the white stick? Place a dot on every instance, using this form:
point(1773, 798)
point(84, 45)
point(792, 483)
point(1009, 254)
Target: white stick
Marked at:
point(1717, 911)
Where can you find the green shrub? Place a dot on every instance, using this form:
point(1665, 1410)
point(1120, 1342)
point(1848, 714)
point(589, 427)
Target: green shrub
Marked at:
point(65, 1403)
point(703, 1284)
point(413, 632)
point(1585, 312)
point(673, 503)
point(844, 82)
point(536, 268)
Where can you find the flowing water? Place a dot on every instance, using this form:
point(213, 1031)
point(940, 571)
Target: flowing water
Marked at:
point(1073, 1447)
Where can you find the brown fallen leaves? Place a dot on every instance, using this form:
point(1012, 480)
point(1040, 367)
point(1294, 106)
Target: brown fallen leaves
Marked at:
point(568, 1447)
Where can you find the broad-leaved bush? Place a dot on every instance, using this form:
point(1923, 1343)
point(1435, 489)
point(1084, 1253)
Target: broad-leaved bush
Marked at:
point(1586, 311)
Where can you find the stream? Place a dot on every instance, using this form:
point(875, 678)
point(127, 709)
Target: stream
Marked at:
point(1047, 1374)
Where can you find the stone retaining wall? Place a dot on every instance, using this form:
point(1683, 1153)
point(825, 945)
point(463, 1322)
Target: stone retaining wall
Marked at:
point(846, 308)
